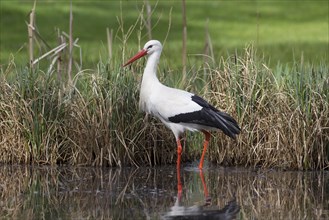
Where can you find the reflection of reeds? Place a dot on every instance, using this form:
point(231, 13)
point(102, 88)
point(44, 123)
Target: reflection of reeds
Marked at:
point(78, 193)
point(91, 117)
point(276, 194)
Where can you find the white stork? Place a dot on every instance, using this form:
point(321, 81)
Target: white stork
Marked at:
point(177, 109)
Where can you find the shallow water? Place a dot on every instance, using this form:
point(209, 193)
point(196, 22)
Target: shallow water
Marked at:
point(154, 193)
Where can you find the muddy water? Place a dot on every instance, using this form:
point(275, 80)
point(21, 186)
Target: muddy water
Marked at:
point(156, 193)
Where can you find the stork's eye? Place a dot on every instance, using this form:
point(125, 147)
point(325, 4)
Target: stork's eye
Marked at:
point(149, 47)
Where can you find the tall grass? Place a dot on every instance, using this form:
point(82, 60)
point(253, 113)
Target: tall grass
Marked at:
point(283, 114)
point(92, 118)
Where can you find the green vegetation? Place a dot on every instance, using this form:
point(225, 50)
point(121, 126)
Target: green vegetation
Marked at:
point(95, 121)
point(281, 31)
point(91, 117)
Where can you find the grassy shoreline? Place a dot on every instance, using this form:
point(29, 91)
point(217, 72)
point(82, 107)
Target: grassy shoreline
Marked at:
point(95, 120)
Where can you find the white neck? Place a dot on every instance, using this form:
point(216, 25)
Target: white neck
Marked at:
point(150, 81)
point(151, 67)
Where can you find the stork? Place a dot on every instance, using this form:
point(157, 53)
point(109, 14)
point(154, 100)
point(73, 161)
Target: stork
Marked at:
point(179, 110)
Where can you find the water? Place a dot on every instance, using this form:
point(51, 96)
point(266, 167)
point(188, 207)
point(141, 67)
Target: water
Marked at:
point(154, 193)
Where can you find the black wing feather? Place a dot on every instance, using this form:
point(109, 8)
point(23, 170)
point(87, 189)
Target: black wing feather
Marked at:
point(209, 116)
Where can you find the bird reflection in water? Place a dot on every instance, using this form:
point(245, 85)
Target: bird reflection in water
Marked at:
point(178, 211)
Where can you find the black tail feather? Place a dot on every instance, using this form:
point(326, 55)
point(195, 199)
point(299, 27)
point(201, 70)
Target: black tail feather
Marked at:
point(214, 118)
point(231, 127)
point(224, 122)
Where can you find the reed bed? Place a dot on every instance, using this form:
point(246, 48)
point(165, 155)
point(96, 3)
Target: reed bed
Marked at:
point(54, 112)
point(95, 121)
point(283, 112)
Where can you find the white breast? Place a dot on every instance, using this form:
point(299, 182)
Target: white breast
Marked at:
point(164, 102)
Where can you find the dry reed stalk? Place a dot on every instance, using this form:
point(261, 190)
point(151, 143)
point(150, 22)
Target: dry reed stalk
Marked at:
point(169, 27)
point(208, 48)
point(70, 62)
point(55, 51)
point(184, 54)
point(60, 40)
point(125, 34)
point(31, 28)
point(109, 35)
point(13, 143)
point(148, 22)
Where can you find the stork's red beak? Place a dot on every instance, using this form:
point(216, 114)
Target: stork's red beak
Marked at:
point(136, 57)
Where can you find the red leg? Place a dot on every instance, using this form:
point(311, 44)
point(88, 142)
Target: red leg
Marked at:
point(179, 183)
point(179, 153)
point(205, 145)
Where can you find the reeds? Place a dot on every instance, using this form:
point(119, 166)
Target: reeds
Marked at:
point(283, 113)
point(92, 118)
point(284, 119)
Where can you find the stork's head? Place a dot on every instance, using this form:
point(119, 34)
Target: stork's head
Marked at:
point(149, 48)
point(152, 46)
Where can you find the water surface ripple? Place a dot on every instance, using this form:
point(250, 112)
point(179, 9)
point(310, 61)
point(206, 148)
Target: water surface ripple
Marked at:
point(29, 192)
